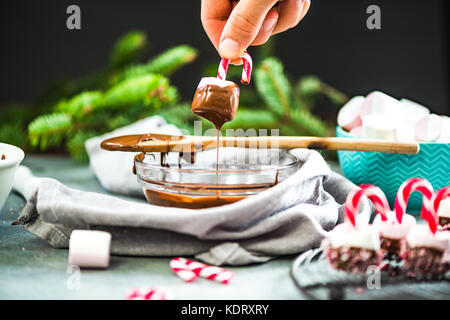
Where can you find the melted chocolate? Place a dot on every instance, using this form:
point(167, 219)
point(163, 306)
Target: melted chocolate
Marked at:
point(3, 157)
point(140, 157)
point(215, 103)
point(131, 142)
point(166, 199)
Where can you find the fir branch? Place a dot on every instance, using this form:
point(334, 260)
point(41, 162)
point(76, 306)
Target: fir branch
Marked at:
point(253, 119)
point(80, 104)
point(76, 145)
point(128, 49)
point(152, 90)
point(165, 63)
point(49, 130)
point(14, 133)
point(273, 86)
point(308, 88)
point(303, 120)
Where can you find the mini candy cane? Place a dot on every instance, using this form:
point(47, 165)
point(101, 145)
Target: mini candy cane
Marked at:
point(246, 70)
point(205, 271)
point(403, 194)
point(182, 270)
point(438, 197)
point(211, 272)
point(223, 69)
point(149, 293)
point(374, 193)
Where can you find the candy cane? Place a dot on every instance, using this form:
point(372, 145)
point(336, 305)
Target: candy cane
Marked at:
point(223, 69)
point(438, 197)
point(375, 194)
point(149, 293)
point(246, 70)
point(205, 271)
point(182, 270)
point(403, 194)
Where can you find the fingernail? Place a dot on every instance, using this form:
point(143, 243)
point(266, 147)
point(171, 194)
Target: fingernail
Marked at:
point(229, 48)
point(269, 24)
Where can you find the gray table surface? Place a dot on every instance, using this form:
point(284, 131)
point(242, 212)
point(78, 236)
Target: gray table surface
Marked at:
point(31, 269)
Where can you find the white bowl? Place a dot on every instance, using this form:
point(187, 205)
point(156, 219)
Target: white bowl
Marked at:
point(14, 156)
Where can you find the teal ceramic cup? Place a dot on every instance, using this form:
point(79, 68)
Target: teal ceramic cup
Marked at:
point(389, 171)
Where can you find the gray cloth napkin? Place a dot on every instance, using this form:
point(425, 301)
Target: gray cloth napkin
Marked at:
point(289, 218)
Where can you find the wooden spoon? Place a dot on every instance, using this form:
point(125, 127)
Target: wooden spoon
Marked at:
point(168, 143)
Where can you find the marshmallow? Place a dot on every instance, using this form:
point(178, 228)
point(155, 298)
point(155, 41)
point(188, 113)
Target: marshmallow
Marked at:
point(412, 111)
point(216, 100)
point(381, 104)
point(349, 115)
point(405, 133)
point(357, 132)
point(445, 133)
point(89, 249)
point(429, 128)
point(391, 228)
point(346, 235)
point(421, 236)
point(444, 209)
point(376, 126)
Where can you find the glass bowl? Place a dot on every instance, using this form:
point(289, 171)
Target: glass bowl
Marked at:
point(191, 180)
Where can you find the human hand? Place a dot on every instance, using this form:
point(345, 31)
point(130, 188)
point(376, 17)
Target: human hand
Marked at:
point(232, 26)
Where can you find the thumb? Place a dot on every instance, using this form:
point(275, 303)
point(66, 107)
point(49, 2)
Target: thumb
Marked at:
point(243, 26)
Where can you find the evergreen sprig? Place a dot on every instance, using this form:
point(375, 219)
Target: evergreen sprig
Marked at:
point(128, 49)
point(273, 85)
point(165, 63)
point(151, 90)
point(49, 130)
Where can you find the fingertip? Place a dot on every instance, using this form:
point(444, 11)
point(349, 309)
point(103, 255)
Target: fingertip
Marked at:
point(230, 48)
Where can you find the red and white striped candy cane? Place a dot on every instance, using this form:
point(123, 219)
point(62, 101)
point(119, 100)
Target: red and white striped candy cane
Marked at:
point(211, 272)
point(223, 69)
point(438, 197)
point(375, 194)
point(205, 271)
point(246, 70)
point(182, 269)
point(149, 293)
point(403, 194)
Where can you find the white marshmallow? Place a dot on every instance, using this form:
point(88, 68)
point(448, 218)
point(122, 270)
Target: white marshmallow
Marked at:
point(215, 81)
point(89, 249)
point(429, 128)
point(444, 208)
point(405, 133)
point(364, 236)
point(349, 115)
point(391, 228)
point(412, 111)
point(445, 133)
point(357, 132)
point(381, 104)
point(376, 126)
point(420, 236)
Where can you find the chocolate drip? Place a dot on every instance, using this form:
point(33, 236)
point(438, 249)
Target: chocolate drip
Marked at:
point(3, 157)
point(139, 157)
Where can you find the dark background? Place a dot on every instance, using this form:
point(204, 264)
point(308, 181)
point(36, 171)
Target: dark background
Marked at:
point(407, 58)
